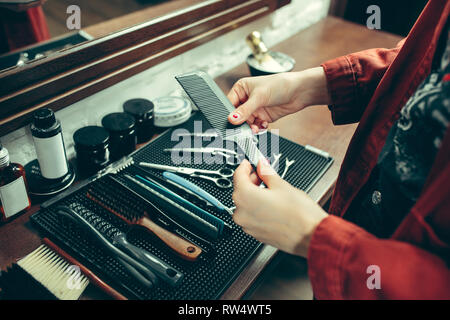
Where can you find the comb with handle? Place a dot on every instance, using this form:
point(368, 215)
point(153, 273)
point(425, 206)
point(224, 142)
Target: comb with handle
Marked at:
point(115, 241)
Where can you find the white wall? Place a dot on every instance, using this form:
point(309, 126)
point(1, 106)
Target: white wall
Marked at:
point(215, 57)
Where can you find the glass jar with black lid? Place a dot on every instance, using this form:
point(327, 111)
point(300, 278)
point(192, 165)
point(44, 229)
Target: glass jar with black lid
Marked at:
point(122, 134)
point(142, 111)
point(91, 146)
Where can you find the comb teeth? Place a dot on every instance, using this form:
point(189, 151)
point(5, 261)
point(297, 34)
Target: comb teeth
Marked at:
point(215, 106)
point(54, 273)
point(250, 148)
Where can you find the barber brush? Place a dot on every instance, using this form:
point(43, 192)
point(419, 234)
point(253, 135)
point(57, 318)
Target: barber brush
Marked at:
point(124, 210)
point(42, 274)
point(49, 273)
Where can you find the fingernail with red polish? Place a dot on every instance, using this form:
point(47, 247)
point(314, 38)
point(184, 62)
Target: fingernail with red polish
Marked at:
point(235, 116)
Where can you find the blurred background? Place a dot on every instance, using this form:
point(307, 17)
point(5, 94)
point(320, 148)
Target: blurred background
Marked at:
point(93, 11)
point(396, 16)
point(25, 22)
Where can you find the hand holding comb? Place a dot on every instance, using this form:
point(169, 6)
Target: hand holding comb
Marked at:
point(215, 106)
point(182, 247)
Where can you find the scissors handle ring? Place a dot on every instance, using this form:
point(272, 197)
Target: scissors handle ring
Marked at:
point(226, 172)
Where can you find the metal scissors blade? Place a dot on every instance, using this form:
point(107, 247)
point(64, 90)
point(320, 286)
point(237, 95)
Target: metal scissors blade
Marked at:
point(222, 172)
point(202, 150)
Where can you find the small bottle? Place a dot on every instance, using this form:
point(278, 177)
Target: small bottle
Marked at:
point(13, 192)
point(49, 144)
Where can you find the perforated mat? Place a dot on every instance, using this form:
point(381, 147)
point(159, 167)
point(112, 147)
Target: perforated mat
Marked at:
point(215, 270)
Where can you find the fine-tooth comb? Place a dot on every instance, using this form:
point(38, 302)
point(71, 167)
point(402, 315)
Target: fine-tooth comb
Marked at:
point(215, 106)
point(123, 209)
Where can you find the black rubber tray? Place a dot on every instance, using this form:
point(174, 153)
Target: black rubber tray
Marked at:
point(207, 278)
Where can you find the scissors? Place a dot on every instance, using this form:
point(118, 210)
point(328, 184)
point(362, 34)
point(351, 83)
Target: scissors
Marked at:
point(222, 181)
point(231, 157)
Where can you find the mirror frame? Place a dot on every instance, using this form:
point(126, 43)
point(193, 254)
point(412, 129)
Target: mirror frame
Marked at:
point(80, 71)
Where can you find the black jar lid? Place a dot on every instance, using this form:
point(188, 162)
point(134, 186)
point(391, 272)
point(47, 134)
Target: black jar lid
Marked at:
point(44, 118)
point(141, 108)
point(91, 137)
point(118, 122)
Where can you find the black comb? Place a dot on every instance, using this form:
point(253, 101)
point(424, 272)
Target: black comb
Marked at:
point(215, 106)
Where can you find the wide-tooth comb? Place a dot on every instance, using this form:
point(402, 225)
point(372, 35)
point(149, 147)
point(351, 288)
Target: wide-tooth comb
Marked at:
point(183, 248)
point(215, 106)
point(115, 240)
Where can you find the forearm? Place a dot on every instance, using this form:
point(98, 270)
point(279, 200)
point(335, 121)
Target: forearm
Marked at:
point(308, 87)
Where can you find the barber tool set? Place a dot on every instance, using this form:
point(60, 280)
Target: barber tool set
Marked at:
point(153, 228)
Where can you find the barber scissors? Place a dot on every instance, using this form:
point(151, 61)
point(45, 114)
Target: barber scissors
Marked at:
point(231, 157)
point(221, 179)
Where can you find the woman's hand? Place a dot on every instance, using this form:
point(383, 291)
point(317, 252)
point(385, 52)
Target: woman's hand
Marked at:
point(265, 99)
point(279, 215)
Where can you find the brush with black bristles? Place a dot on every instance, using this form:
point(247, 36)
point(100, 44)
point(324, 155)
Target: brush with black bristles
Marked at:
point(123, 208)
point(49, 273)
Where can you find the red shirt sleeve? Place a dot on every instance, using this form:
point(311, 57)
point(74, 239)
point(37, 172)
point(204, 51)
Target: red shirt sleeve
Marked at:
point(19, 29)
point(352, 80)
point(340, 254)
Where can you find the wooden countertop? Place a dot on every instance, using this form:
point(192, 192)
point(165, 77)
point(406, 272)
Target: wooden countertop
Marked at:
point(327, 39)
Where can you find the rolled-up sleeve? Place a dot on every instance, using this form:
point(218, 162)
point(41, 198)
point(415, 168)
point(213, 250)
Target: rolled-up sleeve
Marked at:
point(352, 80)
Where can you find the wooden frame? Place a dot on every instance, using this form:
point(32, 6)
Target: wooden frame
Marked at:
point(76, 73)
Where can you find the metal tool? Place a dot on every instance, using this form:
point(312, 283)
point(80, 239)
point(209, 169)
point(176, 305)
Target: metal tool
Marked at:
point(276, 158)
point(286, 167)
point(222, 181)
point(198, 134)
point(140, 263)
point(232, 157)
